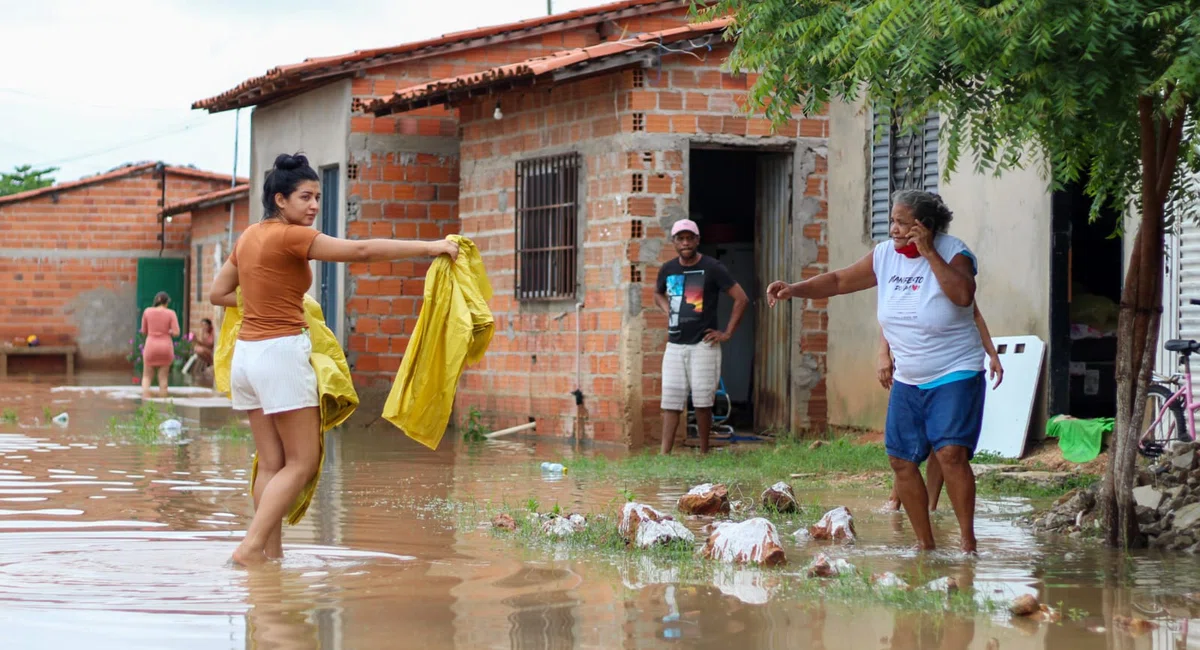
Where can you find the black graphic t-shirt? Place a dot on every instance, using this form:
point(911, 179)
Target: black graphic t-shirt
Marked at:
point(692, 292)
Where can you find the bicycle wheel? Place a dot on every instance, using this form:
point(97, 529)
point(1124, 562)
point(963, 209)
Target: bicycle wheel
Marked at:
point(1172, 426)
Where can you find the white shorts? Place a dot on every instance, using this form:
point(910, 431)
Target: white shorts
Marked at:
point(694, 369)
point(273, 375)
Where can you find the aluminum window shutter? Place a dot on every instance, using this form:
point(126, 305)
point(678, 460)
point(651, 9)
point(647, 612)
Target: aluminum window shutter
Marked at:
point(900, 162)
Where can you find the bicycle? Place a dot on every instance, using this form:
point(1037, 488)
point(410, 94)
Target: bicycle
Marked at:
point(1178, 402)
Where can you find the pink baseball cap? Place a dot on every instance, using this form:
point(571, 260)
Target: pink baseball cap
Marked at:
point(685, 225)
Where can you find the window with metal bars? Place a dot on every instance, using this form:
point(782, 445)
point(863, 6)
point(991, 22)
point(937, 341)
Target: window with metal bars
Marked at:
point(900, 160)
point(547, 217)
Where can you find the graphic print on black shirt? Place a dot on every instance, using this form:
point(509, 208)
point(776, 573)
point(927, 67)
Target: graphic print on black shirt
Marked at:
point(692, 293)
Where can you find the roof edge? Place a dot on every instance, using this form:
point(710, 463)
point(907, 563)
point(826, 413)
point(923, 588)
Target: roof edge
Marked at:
point(237, 97)
point(114, 174)
point(220, 197)
point(530, 70)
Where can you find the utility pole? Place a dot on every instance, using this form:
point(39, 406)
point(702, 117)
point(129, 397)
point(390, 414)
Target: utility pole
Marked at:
point(549, 7)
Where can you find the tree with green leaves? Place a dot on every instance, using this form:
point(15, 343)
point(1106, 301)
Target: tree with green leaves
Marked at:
point(1099, 91)
point(24, 178)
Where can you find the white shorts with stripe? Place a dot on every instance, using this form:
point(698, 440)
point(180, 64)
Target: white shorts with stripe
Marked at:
point(273, 375)
point(694, 369)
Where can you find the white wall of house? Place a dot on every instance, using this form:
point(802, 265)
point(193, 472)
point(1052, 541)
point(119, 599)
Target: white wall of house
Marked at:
point(316, 123)
point(1005, 220)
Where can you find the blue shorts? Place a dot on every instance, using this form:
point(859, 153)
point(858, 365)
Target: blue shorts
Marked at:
point(923, 419)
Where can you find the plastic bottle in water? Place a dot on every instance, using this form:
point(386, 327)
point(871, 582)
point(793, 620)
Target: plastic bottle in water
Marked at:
point(170, 428)
point(554, 468)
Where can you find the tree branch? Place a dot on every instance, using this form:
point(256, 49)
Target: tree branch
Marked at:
point(1170, 154)
point(1149, 149)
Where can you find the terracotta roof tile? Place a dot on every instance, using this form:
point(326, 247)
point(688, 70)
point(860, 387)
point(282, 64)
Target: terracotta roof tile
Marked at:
point(227, 195)
point(439, 91)
point(287, 80)
point(120, 172)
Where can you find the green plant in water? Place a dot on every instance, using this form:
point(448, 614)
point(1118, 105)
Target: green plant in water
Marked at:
point(556, 510)
point(628, 495)
point(532, 505)
point(143, 423)
point(47, 414)
point(235, 431)
point(472, 427)
point(9, 416)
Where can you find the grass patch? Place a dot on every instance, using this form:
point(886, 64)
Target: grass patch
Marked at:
point(749, 469)
point(750, 464)
point(1001, 484)
point(9, 416)
point(142, 424)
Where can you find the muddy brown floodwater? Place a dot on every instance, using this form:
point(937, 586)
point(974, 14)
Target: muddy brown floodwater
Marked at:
point(106, 543)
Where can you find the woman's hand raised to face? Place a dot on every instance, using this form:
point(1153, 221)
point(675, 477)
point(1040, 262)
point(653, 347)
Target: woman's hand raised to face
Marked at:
point(922, 237)
point(778, 290)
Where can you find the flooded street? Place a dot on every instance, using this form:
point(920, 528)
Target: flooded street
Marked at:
point(110, 543)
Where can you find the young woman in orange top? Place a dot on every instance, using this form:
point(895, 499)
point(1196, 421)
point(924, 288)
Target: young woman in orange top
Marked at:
point(271, 376)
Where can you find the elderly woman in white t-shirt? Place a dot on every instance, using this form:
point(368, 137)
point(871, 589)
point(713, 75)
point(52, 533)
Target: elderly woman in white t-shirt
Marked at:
point(926, 282)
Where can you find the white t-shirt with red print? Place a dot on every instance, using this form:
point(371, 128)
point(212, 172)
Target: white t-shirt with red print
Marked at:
point(930, 336)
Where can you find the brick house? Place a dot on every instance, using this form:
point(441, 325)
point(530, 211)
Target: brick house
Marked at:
point(572, 167)
point(397, 176)
point(565, 145)
point(216, 219)
point(79, 259)
point(627, 96)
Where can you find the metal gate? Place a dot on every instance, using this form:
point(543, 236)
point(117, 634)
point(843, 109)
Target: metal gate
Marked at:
point(156, 274)
point(773, 335)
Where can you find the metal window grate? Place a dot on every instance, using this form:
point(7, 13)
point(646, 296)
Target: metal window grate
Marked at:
point(547, 193)
point(900, 160)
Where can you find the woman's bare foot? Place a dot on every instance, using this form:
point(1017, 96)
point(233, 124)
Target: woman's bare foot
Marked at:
point(892, 505)
point(245, 557)
point(968, 546)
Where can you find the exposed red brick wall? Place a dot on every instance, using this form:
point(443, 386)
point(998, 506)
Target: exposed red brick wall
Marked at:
point(530, 369)
point(96, 233)
point(686, 97)
point(402, 196)
point(412, 194)
point(209, 226)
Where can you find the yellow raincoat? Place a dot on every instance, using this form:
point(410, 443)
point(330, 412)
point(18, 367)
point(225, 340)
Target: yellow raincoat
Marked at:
point(454, 329)
point(334, 385)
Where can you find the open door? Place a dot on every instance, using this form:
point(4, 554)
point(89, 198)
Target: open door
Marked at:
point(773, 335)
point(156, 274)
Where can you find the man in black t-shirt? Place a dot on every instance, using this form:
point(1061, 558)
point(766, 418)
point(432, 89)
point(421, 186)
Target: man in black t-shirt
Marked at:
point(687, 291)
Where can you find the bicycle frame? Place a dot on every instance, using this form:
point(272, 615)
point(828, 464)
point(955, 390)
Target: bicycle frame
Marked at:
point(1190, 405)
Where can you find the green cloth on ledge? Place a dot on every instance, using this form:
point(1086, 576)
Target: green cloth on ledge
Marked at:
point(1079, 440)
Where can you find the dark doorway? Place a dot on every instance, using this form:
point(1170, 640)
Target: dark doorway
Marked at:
point(1087, 271)
point(741, 199)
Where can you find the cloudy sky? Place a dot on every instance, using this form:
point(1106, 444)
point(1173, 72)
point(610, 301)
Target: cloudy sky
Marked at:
point(90, 85)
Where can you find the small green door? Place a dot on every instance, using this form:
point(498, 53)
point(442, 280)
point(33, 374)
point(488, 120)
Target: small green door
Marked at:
point(156, 274)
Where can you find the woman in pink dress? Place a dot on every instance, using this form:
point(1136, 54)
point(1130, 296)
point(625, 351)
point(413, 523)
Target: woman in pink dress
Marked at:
point(160, 326)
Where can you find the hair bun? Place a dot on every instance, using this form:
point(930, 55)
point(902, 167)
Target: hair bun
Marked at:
point(289, 162)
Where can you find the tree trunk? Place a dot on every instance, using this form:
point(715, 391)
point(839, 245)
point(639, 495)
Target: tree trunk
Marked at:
point(1137, 327)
